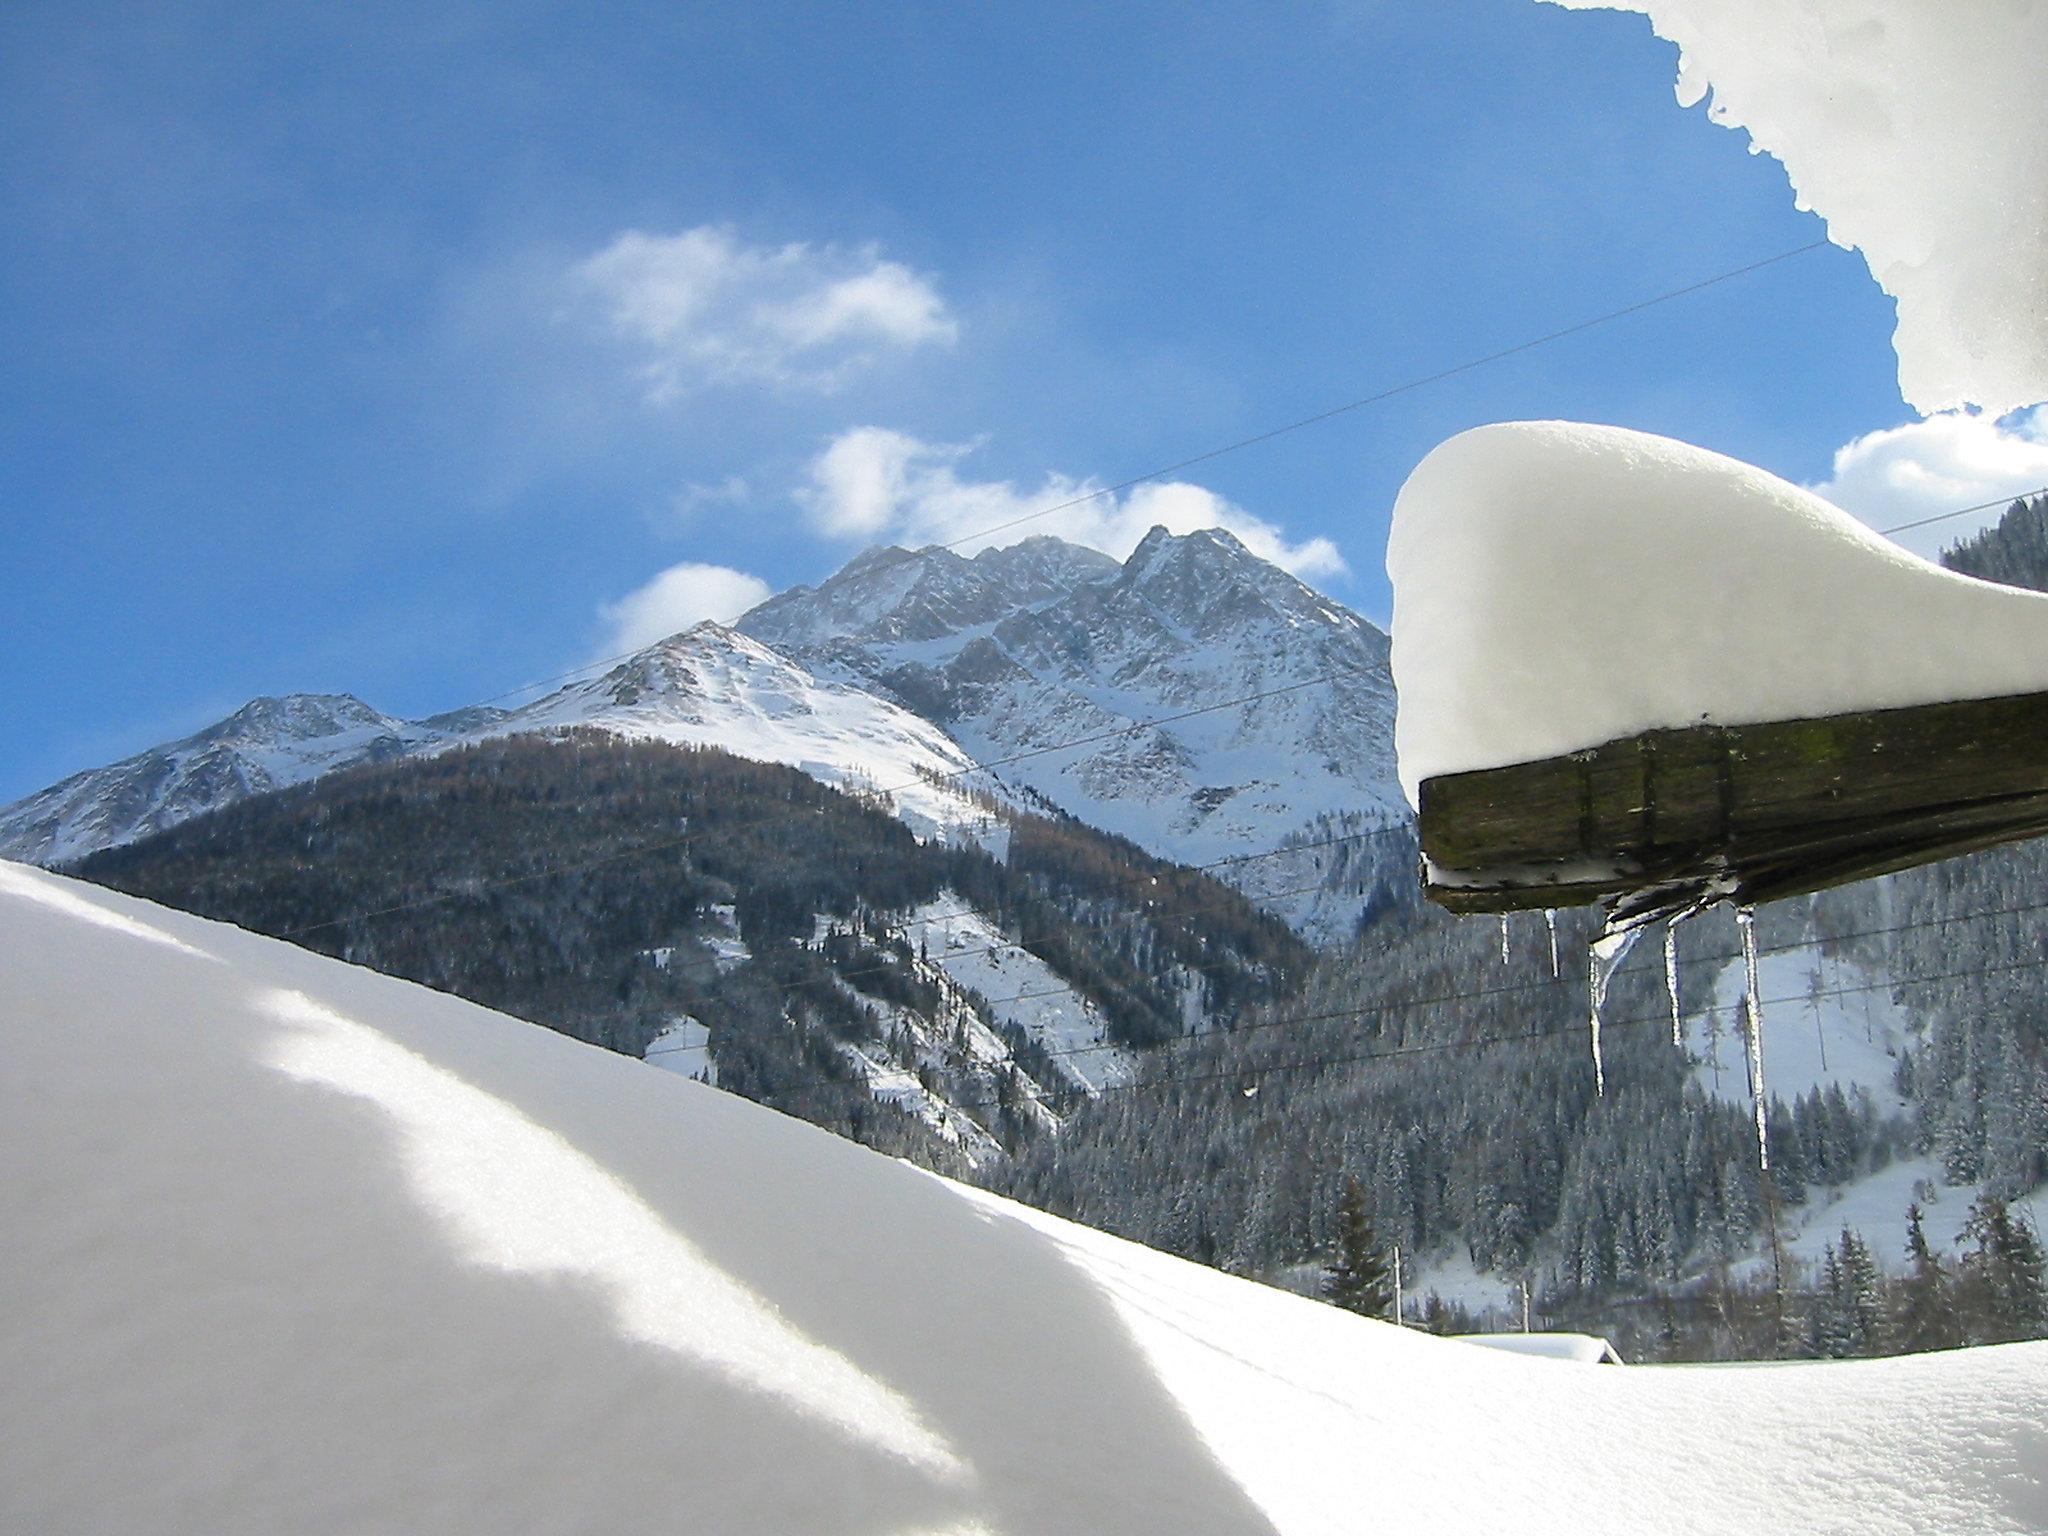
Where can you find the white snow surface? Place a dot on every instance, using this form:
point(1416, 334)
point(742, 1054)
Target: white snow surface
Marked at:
point(1558, 585)
point(293, 1247)
point(1874, 1207)
point(1022, 990)
point(1911, 128)
point(685, 1047)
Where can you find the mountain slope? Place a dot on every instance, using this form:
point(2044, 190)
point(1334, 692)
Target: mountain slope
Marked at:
point(1019, 651)
point(714, 687)
point(429, 1269)
point(708, 686)
point(266, 744)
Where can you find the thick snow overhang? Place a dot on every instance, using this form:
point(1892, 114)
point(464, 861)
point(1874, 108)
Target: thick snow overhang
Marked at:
point(1636, 671)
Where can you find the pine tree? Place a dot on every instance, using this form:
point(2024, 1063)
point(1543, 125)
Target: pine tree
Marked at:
point(1863, 1298)
point(1925, 1317)
point(2006, 1276)
point(1358, 1278)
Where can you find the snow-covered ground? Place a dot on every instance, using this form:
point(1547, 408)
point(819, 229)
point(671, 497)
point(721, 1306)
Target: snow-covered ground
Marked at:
point(1874, 1206)
point(1022, 988)
point(294, 1247)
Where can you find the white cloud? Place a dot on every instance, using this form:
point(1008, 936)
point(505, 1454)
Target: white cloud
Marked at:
point(704, 307)
point(1902, 474)
point(679, 597)
point(871, 483)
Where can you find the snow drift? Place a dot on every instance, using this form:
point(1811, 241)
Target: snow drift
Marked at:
point(1558, 585)
point(293, 1247)
point(1912, 128)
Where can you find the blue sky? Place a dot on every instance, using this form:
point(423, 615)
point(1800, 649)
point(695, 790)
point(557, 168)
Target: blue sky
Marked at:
point(394, 349)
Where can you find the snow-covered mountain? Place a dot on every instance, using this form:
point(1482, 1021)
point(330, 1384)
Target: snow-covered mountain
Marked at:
point(1045, 659)
point(1019, 651)
point(267, 744)
point(714, 687)
point(709, 686)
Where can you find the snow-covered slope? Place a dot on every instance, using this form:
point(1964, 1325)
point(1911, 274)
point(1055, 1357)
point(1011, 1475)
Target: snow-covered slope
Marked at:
point(297, 1248)
point(266, 744)
point(712, 686)
point(1018, 651)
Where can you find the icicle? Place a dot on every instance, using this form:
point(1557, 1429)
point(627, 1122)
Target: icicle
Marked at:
point(1503, 938)
point(1753, 1009)
point(1550, 922)
point(1671, 980)
point(1603, 958)
point(1596, 994)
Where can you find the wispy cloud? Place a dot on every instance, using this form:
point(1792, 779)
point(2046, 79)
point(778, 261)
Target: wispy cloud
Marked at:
point(872, 483)
point(679, 597)
point(1947, 461)
point(705, 307)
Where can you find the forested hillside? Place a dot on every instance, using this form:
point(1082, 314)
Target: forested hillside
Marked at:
point(628, 893)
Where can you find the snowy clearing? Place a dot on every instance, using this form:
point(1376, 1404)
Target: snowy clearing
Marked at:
point(1559, 585)
point(1024, 990)
point(299, 1248)
point(684, 1047)
point(1824, 1022)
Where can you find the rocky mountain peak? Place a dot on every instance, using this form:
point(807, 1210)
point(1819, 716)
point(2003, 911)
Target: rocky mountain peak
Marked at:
point(1207, 583)
point(297, 717)
point(896, 597)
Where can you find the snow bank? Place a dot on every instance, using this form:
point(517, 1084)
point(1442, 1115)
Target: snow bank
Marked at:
point(1913, 128)
point(1558, 585)
point(292, 1247)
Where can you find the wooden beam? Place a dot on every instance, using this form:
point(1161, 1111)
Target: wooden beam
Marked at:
point(1754, 812)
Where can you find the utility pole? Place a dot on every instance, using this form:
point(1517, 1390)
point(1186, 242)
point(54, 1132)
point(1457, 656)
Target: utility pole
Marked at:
point(1398, 1322)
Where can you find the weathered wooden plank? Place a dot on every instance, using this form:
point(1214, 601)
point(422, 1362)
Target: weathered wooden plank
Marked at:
point(1767, 810)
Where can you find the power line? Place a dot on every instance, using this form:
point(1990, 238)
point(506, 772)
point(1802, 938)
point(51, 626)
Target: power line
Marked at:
point(1982, 506)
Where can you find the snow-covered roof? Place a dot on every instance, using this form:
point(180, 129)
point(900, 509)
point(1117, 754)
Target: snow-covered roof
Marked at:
point(1912, 128)
point(1579, 1348)
point(292, 1247)
point(1558, 585)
